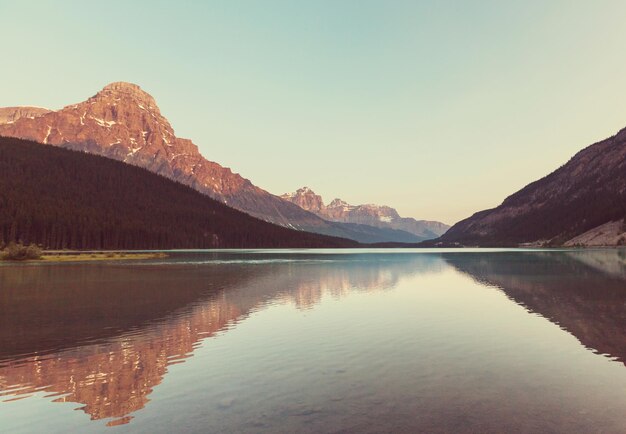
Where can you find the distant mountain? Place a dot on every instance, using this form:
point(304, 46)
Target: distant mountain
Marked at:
point(124, 123)
point(374, 235)
point(371, 215)
point(65, 199)
point(582, 202)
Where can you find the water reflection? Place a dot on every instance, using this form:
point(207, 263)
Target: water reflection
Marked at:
point(104, 335)
point(584, 292)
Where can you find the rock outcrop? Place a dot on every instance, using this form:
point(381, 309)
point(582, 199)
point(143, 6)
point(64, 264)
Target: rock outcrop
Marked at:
point(368, 214)
point(9, 115)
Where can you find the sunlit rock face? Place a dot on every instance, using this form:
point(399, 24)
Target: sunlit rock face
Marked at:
point(9, 115)
point(379, 216)
point(123, 122)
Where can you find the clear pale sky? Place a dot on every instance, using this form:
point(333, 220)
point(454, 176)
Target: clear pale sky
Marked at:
point(437, 108)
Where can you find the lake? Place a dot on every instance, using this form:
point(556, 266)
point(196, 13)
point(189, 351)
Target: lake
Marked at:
point(317, 341)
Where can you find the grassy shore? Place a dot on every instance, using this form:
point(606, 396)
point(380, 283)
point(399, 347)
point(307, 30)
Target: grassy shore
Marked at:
point(93, 256)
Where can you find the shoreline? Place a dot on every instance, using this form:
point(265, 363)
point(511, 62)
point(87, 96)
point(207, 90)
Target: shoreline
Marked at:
point(77, 256)
point(59, 256)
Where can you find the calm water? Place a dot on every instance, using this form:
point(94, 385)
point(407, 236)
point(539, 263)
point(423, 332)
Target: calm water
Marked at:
point(302, 341)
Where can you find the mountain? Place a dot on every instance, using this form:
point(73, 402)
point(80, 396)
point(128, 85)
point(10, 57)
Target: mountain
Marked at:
point(124, 123)
point(581, 203)
point(9, 115)
point(370, 215)
point(64, 199)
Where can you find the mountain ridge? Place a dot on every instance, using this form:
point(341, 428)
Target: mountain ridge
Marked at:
point(381, 216)
point(579, 198)
point(61, 199)
point(123, 122)
point(9, 115)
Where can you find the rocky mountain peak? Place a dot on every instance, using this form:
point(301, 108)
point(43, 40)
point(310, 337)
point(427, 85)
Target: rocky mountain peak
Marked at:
point(338, 203)
point(127, 95)
point(306, 199)
point(122, 86)
point(379, 216)
point(123, 122)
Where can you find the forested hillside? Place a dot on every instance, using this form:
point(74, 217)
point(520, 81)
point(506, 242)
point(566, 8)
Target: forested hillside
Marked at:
point(67, 199)
point(582, 202)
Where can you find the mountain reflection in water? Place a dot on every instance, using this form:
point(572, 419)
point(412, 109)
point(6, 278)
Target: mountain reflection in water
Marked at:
point(584, 292)
point(103, 335)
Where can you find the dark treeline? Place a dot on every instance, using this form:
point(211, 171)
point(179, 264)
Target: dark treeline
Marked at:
point(64, 199)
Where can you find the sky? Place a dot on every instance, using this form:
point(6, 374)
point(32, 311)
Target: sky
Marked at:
point(437, 108)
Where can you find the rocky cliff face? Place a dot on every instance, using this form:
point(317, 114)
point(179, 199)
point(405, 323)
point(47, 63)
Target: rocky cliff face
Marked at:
point(306, 199)
point(8, 115)
point(370, 215)
point(124, 123)
point(574, 204)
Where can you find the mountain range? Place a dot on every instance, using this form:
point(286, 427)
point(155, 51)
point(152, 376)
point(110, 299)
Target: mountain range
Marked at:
point(581, 203)
point(61, 199)
point(124, 123)
point(369, 214)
